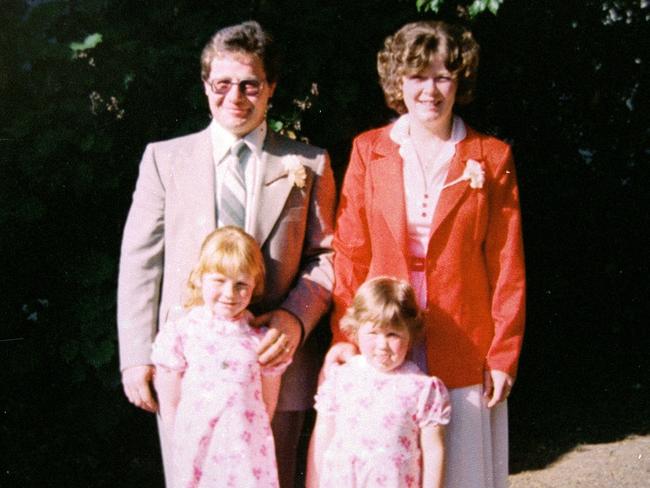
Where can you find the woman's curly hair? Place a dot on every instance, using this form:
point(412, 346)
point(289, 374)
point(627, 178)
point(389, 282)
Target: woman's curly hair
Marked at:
point(414, 47)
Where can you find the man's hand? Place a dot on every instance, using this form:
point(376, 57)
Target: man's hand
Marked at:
point(282, 340)
point(496, 386)
point(136, 381)
point(338, 354)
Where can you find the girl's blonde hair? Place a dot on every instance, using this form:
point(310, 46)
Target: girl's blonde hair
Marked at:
point(229, 251)
point(385, 302)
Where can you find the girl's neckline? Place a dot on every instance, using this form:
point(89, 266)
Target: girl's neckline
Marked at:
point(361, 359)
point(244, 318)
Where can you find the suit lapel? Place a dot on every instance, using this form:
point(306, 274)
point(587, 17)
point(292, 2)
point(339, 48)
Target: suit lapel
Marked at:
point(468, 148)
point(273, 189)
point(195, 179)
point(388, 184)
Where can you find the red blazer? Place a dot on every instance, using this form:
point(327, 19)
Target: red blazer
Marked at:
point(474, 263)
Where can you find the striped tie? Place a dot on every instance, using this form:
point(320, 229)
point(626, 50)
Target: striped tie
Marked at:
point(232, 204)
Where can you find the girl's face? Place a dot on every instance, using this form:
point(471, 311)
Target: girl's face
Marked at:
point(226, 296)
point(430, 95)
point(384, 348)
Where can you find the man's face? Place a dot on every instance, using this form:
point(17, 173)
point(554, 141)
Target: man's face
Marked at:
point(234, 109)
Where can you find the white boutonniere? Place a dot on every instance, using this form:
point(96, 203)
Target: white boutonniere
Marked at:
point(473, 173)
point(295, 171)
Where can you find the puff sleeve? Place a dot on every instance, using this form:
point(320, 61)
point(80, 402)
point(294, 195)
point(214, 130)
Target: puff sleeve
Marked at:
point(326, 402)
point(434, 406)
point(168, 347)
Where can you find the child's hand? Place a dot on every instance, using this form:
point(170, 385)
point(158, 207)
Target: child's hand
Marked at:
point(136, 381)
point(496, 386)
point(282, 339)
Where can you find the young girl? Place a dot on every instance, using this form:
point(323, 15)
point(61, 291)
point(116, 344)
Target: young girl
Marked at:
point(380, 419)
point(216, 401)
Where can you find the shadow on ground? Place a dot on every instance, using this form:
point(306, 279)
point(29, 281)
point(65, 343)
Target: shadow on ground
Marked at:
point(576, 389)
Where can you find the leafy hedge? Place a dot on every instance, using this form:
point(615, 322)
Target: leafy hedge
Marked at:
point(85, 85)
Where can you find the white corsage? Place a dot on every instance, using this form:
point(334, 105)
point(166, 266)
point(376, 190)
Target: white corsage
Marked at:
point(473, 173)
point(295, 171)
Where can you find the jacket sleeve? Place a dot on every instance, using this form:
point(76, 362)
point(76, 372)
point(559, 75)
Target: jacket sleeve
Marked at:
point(141, 265)
point(506, 270)
point(352, 249)
point(310, 298)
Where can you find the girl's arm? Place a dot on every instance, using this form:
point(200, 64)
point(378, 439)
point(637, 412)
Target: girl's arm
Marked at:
point(270, 392)
point(320, 439)
point(168, 386)
point(432, 442)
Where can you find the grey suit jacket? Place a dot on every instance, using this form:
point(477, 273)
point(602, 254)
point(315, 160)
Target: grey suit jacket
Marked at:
point(173, 210)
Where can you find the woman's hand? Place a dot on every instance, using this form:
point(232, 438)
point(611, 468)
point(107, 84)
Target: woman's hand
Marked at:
point(496, 386)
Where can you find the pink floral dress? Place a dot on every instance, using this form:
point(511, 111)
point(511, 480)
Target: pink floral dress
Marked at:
point(378, 417)
point(222, 435)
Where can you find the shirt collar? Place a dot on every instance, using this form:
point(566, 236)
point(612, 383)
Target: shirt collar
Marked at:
point(400, 131)
point(222, 140)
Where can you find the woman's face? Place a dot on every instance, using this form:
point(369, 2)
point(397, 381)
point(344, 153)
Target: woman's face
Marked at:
point(429, 96)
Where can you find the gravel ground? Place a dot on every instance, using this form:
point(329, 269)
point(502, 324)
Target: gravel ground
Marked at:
point(623, 464)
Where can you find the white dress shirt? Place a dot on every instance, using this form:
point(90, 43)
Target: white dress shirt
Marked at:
point(222, 141)
point(423, 183)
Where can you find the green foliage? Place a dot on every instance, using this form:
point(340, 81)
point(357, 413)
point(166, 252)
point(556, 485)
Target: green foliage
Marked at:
point(89, 42)
point(479, 6)
point(475, 8)
point(429, 5)
point(566, 86)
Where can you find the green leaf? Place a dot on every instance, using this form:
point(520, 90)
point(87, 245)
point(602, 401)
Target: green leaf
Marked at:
point(128, 79)
point(480, 6)
point(275, 125)
point(493, 6)
point(89, 42)
point(429, 5)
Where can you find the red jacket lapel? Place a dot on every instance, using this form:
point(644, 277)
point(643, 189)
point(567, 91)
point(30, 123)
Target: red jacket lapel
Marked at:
point(468, 148)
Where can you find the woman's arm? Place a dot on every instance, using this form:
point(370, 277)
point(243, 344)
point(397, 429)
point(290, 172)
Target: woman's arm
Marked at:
point(351, 244)
point(432, 443)
point(320, 440)
point(504, 256)
point(168, 387)
point(270, 392)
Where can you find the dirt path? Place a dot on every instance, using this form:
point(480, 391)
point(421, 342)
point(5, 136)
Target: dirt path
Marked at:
point(624, 464)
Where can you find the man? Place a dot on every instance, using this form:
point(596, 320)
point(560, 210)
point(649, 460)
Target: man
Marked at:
point(284, 197)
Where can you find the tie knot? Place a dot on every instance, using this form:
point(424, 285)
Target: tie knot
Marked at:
point(238, 148)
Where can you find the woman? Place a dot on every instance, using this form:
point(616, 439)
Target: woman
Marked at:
point(430, 200)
